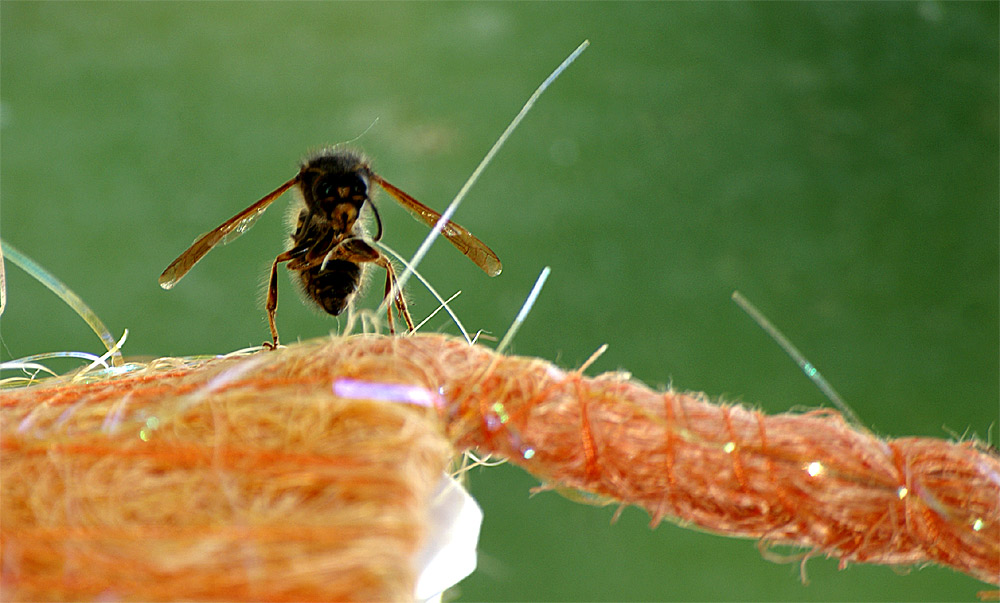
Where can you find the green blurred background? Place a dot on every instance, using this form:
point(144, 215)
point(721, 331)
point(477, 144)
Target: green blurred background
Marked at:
point(837, 163)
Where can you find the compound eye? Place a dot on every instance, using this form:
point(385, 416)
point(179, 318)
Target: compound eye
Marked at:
point(325, 188)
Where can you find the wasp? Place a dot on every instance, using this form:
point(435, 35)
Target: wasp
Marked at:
point(330, 248)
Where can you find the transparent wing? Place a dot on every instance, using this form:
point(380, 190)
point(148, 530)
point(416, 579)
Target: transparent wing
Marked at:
point(465, 241)
point(227, 232)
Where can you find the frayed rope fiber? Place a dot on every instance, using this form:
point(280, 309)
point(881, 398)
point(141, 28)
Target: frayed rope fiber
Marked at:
point(258, 477)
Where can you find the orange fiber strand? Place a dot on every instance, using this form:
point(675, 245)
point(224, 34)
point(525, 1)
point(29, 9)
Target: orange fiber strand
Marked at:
point(304, 473)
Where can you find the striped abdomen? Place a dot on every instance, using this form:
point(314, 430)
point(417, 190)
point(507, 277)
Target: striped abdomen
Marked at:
point(332, 287)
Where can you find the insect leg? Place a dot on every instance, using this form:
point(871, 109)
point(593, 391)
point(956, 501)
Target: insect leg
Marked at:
point(358, 250)
point(272, 297)
point(399, 302)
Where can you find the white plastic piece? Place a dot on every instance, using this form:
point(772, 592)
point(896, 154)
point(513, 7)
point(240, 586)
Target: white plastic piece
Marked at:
point(450, 552)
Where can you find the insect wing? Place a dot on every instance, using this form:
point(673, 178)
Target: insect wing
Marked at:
point(242, 226)
point(465, 241)
point(228, 231)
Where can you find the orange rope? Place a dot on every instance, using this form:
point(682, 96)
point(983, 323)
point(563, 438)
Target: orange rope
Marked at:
point(250, 478)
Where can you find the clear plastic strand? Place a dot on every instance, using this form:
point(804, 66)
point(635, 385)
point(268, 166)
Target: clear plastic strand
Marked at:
point(522, 314)
point(66, 294)
point(807, 367)
point(453, 206)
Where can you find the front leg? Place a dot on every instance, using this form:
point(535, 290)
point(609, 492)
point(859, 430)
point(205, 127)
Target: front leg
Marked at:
point(272, 296)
